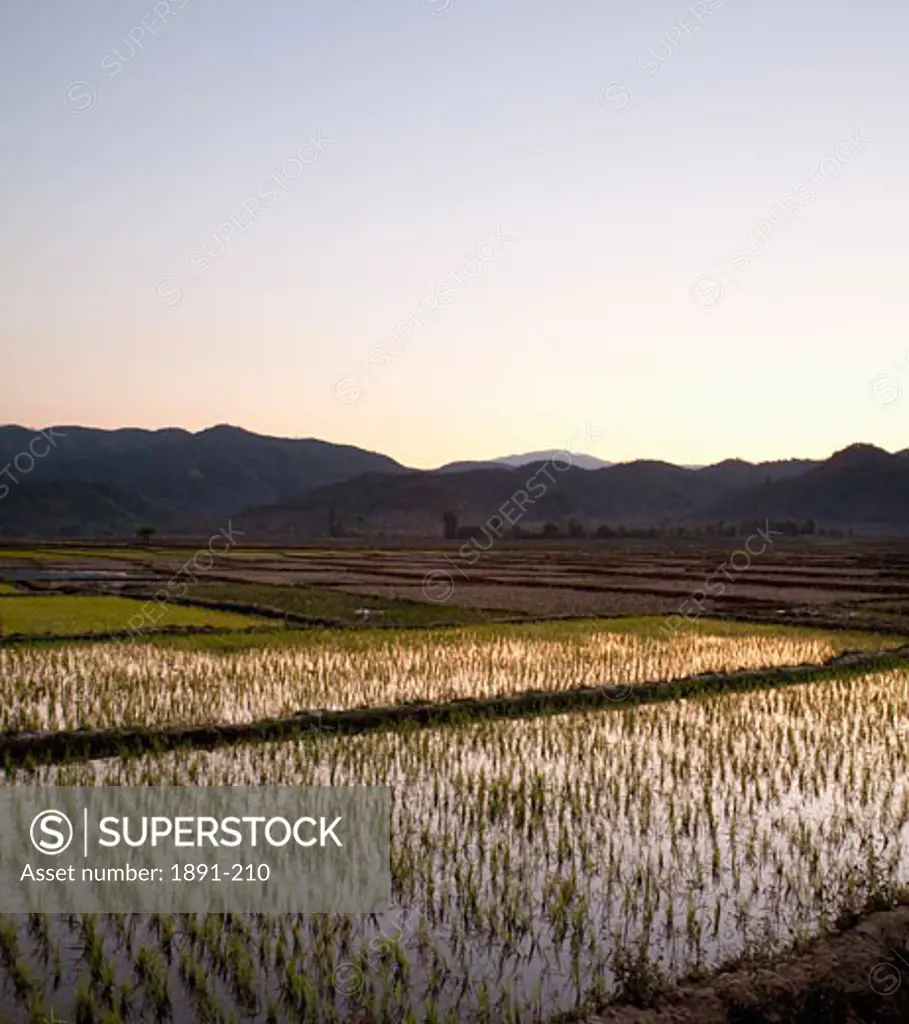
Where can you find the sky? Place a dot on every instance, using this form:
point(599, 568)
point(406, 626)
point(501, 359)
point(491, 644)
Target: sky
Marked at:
point(453, 230)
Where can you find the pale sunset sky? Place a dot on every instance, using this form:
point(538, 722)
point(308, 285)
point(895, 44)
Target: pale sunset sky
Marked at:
point(700, 210)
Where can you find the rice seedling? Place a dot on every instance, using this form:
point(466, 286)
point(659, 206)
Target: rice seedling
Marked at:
point(101, 686)
point(538, 864)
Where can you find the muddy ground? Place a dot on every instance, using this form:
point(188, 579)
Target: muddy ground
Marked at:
point(859, 975)
point(859, 584)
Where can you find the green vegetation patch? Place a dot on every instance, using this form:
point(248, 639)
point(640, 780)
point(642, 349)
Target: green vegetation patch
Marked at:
point(28, 554)
point(659, 627)
point(339, 607)
point(561, 631)
point(66, 616)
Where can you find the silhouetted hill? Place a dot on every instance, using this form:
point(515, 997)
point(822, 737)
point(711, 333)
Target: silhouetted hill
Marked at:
point(634, 494)
point(528, 458)
point(180, 481)
point(415, 502)
point(460, 467)
point(859, 485)
point(70, 508)
point(578, 459)
point(739, 474)
point(862, 485)
point(110, 483)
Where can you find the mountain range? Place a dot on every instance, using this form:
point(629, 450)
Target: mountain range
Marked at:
point(111, 483)
point(527, 459)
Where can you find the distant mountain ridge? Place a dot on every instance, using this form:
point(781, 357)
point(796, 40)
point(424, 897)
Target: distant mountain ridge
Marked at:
point(580, 460)
point(644, 493)
point(860, 485)
point(171, 479)
point(100, 483)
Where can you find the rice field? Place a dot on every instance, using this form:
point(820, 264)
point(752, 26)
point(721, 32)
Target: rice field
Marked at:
point(539, 865)
point(62, 688)
point(62, 615)
point(329, 604)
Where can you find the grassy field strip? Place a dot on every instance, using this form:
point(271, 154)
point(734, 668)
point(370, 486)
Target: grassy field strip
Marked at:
point(573, 627)
point(82, 744)
point(324, 606)
point(79, 615)
point(892, 628)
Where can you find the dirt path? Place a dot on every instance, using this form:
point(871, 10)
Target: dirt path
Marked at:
point(857, 975)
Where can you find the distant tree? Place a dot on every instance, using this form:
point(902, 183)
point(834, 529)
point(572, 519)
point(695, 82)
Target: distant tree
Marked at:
point(604, 531)
point(145, 534)
point(334, 524)
point(575, 528)
point(450, 525)
point(551, 530)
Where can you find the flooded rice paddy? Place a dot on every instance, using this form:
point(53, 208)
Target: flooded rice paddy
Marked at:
point(538, 864)
point(101, 686)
